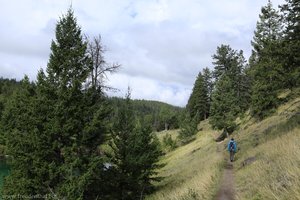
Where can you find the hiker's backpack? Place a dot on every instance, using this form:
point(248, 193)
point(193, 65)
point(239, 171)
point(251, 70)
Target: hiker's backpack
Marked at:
point(231, 146)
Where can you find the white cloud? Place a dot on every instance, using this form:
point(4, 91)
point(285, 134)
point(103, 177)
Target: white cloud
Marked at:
point(149, 89)
point(161, 44)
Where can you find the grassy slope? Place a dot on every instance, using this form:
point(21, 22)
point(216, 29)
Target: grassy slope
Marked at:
point(275, 144)
point(193, 171)
point(160, 135)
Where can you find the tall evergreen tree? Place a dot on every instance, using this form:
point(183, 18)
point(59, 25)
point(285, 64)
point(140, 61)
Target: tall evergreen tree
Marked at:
point(241, 82)
point(67, 70)
point(197, 105)
point(199, 102)
point(268, 30)
point(266, 64)
point(291, 57)
point(223, 61)
point(135, 155)
point(231, 63)
point(224, 107)
point(208, 82)
point(230, 96)
point(66, 123)
point(120, 144)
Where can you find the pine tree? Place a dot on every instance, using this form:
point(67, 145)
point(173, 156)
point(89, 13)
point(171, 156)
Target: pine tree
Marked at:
point(120, 144)
point(241, 82)
point(66, 125)
point(224, 106)
point(208, 82)
point(188, 129)
point(19, 124)
point(145, 153)
point(268, 30)
point(79, 121)
point(266, 67)
point(135, 155)
point(291, 47)
point(199, 101)
point(67, 70)
point(225, 61)
point(230, 96)
point(197, 104)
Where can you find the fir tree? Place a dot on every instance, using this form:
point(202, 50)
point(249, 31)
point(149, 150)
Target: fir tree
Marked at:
point(66, 125)
point(188, 129)
point(266, 67)
point(135, 155)
point(19, 124)
point(268, 30)
point(199, 101)
point(223, 61)
point(224, 106)
point(230, 96)
point(208, 82)
point(291, 47)
point(197, 104)
point(145, 153)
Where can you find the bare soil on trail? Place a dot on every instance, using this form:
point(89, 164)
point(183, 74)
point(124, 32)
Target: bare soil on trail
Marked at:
point(226, 190)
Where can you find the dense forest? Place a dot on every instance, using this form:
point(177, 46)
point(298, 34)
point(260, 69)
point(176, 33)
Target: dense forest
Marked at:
point(159, 116)
point(66, 139)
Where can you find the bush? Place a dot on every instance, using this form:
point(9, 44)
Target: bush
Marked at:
point(188, 130)
point(169, 143)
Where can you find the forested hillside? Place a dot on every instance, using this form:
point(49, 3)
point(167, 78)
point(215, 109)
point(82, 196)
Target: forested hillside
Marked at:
point(160, 116)
point(236, 85)
point(266, 165)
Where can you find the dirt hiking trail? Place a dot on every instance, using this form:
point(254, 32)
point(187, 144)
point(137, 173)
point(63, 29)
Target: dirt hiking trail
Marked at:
point(226, 191)
point(226, 187)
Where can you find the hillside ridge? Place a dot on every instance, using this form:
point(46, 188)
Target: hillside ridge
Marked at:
point(207, 159)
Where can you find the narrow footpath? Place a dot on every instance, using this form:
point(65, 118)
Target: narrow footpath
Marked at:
point(226, 191)
point(226, 188)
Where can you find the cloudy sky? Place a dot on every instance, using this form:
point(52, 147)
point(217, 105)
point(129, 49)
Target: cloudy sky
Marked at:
point(161, 44)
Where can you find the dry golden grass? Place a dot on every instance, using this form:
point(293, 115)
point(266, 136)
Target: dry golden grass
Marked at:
point(275, 144)
point(276, 172)
point(192, 171)
point(174, 134)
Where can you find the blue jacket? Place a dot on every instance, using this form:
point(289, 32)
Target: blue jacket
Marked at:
point(234, 145)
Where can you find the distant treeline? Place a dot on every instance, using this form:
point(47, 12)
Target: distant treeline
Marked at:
point(158, 115)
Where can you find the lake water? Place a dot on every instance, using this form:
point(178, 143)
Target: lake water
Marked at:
point(4, 170)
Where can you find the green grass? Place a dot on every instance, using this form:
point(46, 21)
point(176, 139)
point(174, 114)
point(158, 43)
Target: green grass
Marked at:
point(192, 171)
point(162, 134)
point(275, 143)
point(275, 174)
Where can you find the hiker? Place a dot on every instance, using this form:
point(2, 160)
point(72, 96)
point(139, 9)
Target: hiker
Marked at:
point(232, 148)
